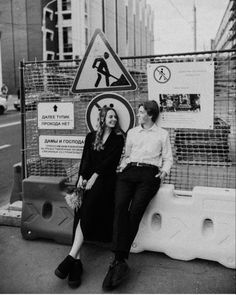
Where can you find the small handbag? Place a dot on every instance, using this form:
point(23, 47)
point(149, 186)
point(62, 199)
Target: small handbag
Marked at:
point(74, 198)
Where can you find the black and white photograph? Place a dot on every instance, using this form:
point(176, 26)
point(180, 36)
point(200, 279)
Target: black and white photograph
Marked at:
point(117, 146)
point(180, 102)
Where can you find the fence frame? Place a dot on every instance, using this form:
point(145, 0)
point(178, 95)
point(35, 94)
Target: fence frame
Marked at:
point(23, 65)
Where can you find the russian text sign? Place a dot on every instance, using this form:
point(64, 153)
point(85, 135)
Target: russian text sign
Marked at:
point(184, 92)
point(55, 115)
point(57, 146)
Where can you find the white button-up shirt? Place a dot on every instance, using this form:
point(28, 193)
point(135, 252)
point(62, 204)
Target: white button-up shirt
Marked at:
point(150, 146)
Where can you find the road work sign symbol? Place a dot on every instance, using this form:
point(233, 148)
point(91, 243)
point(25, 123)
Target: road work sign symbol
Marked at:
point(101, 70)
point(162, 74)
point(119, 103)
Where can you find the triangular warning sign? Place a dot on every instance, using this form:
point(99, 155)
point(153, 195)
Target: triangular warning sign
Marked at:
point(101, 69)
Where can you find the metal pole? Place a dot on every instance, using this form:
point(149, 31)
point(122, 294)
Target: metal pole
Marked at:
point(134, 37)
point(103, 16)
point(139, 56)
point(22, 107)
point(13, 43)
point(116, 14)
point(194, 27)
point(179, 54)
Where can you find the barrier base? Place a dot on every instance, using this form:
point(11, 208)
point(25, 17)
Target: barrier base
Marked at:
point(45, 213)
point(197, 224)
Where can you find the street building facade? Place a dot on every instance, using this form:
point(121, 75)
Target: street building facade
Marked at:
point(226, 34)
point(127, 24)
point(20, 37)
point(61, 29)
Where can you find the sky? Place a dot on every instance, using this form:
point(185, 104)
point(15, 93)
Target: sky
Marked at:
point(173, 25)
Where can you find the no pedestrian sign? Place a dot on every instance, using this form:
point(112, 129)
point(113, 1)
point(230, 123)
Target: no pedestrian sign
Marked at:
point(121, 105)
point(55, 115)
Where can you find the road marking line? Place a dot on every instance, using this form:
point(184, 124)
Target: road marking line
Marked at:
point(4, 146)
point(10, 124)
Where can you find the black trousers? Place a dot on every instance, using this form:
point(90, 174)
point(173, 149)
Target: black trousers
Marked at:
point(135, 187)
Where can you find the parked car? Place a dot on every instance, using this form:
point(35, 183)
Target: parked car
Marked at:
point(17, 104)
point(3, 104)
point(17, 101)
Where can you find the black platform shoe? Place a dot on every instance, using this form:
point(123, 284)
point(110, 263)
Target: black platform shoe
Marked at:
point(64, 267)
point(74, 279)
point(117, 273)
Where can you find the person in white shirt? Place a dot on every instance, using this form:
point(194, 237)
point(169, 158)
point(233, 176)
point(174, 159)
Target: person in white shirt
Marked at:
point(147, 161)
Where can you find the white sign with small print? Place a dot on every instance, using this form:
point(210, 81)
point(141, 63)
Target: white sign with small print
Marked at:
point(58, 146)
point(56, 115)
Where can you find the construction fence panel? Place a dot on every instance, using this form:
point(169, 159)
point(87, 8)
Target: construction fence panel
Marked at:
point(201, 157)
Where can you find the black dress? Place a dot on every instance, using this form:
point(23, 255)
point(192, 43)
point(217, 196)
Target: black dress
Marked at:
point(96, 212)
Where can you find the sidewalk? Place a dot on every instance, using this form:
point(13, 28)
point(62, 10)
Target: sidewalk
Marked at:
point(28, 267)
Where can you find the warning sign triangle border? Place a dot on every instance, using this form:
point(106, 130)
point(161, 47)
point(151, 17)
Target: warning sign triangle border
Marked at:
point(131, 87)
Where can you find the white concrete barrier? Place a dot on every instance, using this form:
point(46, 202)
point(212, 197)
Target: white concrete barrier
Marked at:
point(187, 225)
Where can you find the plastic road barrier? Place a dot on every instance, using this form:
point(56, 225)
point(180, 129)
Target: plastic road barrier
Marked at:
point(182, 224)
point(197, 224)
point(45, 213)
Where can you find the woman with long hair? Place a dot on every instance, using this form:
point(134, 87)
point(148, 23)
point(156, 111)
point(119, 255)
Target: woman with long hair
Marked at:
point(93, 221)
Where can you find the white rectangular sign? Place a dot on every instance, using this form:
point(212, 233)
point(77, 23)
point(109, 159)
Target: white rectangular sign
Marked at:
point(57, 146)
point(55, 115)
point(184, 92)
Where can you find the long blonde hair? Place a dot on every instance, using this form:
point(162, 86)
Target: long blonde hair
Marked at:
point(98, 144)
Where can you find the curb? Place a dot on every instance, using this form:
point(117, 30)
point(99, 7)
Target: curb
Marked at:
point(10, 214)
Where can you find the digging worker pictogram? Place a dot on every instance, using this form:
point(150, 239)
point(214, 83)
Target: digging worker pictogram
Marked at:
point(103, 66)
point(102, 69)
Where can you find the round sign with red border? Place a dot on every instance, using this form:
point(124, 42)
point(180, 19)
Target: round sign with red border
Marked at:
point(119, 103)
point(162, 74)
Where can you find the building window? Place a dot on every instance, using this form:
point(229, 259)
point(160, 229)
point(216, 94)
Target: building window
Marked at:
point(49, 14)
point(49, 35)
point(67, 39)
point(66, 16)
point(50, 56)
point(66, 5)
point(68, 57)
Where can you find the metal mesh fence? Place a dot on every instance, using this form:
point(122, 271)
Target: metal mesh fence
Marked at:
point(201, 157)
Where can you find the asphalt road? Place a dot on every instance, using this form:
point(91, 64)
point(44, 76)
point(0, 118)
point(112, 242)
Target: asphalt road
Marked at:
point(27, 267)
point(10, 145)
